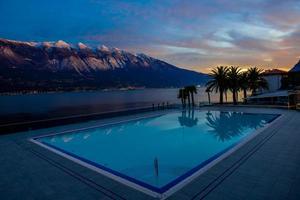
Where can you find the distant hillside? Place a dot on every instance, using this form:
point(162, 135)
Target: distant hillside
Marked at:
point(45, 66)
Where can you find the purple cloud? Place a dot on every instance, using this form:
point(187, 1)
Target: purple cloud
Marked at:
point(192, 34)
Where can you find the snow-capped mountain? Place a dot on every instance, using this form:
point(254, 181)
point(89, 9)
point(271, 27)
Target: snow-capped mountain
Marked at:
point(59, 65)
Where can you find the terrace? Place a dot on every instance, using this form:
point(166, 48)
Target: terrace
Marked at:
point(265, 167)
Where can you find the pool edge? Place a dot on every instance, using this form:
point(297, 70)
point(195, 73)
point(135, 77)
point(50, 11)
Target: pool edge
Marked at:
point(186, 180)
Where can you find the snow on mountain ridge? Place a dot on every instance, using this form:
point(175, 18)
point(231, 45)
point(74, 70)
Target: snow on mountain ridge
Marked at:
point(48, 44)
point(103, 48)
point(19, 42)
point(82, 46)
point(79, 57)
point(62, 44)
point(59, 65)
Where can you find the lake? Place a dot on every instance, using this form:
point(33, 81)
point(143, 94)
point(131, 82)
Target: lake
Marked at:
point(26, 107)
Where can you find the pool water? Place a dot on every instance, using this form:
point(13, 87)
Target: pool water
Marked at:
point(158, 152)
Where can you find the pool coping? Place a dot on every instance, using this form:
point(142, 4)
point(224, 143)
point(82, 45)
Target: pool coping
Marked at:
point(183, 179)
point(228, 151)
point(210, 185)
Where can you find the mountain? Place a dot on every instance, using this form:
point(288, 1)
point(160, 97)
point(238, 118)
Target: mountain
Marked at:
point(296, 68)
point(47, 66)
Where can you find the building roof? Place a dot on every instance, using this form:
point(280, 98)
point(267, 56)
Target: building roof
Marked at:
point(296, 68)
point(274, 72)
point(281, 93)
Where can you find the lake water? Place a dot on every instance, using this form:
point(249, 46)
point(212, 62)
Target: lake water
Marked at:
point(16, 108)
point(156, 152)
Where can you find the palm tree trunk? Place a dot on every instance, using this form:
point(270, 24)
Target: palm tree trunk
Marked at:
point(193, 102)
point(245, 96)
point(182, 103)
point(225, 96)
point(189, 100)
point(208, 96)
point(234, 97)
point(221, 96)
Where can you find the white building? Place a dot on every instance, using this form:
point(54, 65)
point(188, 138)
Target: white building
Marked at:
point(274, 77)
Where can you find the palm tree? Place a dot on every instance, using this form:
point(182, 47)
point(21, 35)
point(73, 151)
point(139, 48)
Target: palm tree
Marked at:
point(181, 96)
point(219, 81)
point(225, 93)
point(256, 80)
point(244, 85)
point(191, 90)
point(233, 82)
point(187, 95)
point(208, 94)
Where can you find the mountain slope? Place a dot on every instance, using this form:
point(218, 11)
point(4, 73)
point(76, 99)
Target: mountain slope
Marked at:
point(60, 66)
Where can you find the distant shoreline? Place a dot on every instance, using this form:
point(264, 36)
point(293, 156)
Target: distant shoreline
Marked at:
point(77, 90)
point(64, 91)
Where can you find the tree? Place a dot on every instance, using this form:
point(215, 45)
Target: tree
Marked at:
point(191, 90)
point(187, 95)
point(233, 75)
point(181, 96)
point(208, 94)
point(256, 80)
point(244, 85)
point(225, 93)
point(219, 81)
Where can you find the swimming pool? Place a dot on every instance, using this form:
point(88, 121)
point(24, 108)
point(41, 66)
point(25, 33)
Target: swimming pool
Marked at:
point(157, 154)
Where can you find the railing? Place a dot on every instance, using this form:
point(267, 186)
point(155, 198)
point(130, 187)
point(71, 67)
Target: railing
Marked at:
point(44, 123)
point(163, 106)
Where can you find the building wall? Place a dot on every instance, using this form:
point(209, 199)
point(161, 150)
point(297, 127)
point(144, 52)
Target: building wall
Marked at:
point(274, 82)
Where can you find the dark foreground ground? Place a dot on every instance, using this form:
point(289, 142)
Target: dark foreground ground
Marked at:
point(267, 167)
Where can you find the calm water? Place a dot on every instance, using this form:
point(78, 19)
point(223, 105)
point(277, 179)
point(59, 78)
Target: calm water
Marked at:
point(41, 106)
point(177, 142)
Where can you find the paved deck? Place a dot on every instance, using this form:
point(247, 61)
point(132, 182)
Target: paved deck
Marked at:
point(264, 168)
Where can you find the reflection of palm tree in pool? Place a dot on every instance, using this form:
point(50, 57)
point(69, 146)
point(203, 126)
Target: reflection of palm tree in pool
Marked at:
point(231, 124)
point(255, 122)
point(187, 118)
point(222, 126)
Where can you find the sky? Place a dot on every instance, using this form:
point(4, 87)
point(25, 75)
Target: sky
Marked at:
point(192, 34)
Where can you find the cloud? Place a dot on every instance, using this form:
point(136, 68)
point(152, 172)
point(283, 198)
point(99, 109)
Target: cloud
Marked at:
point(192, 34)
